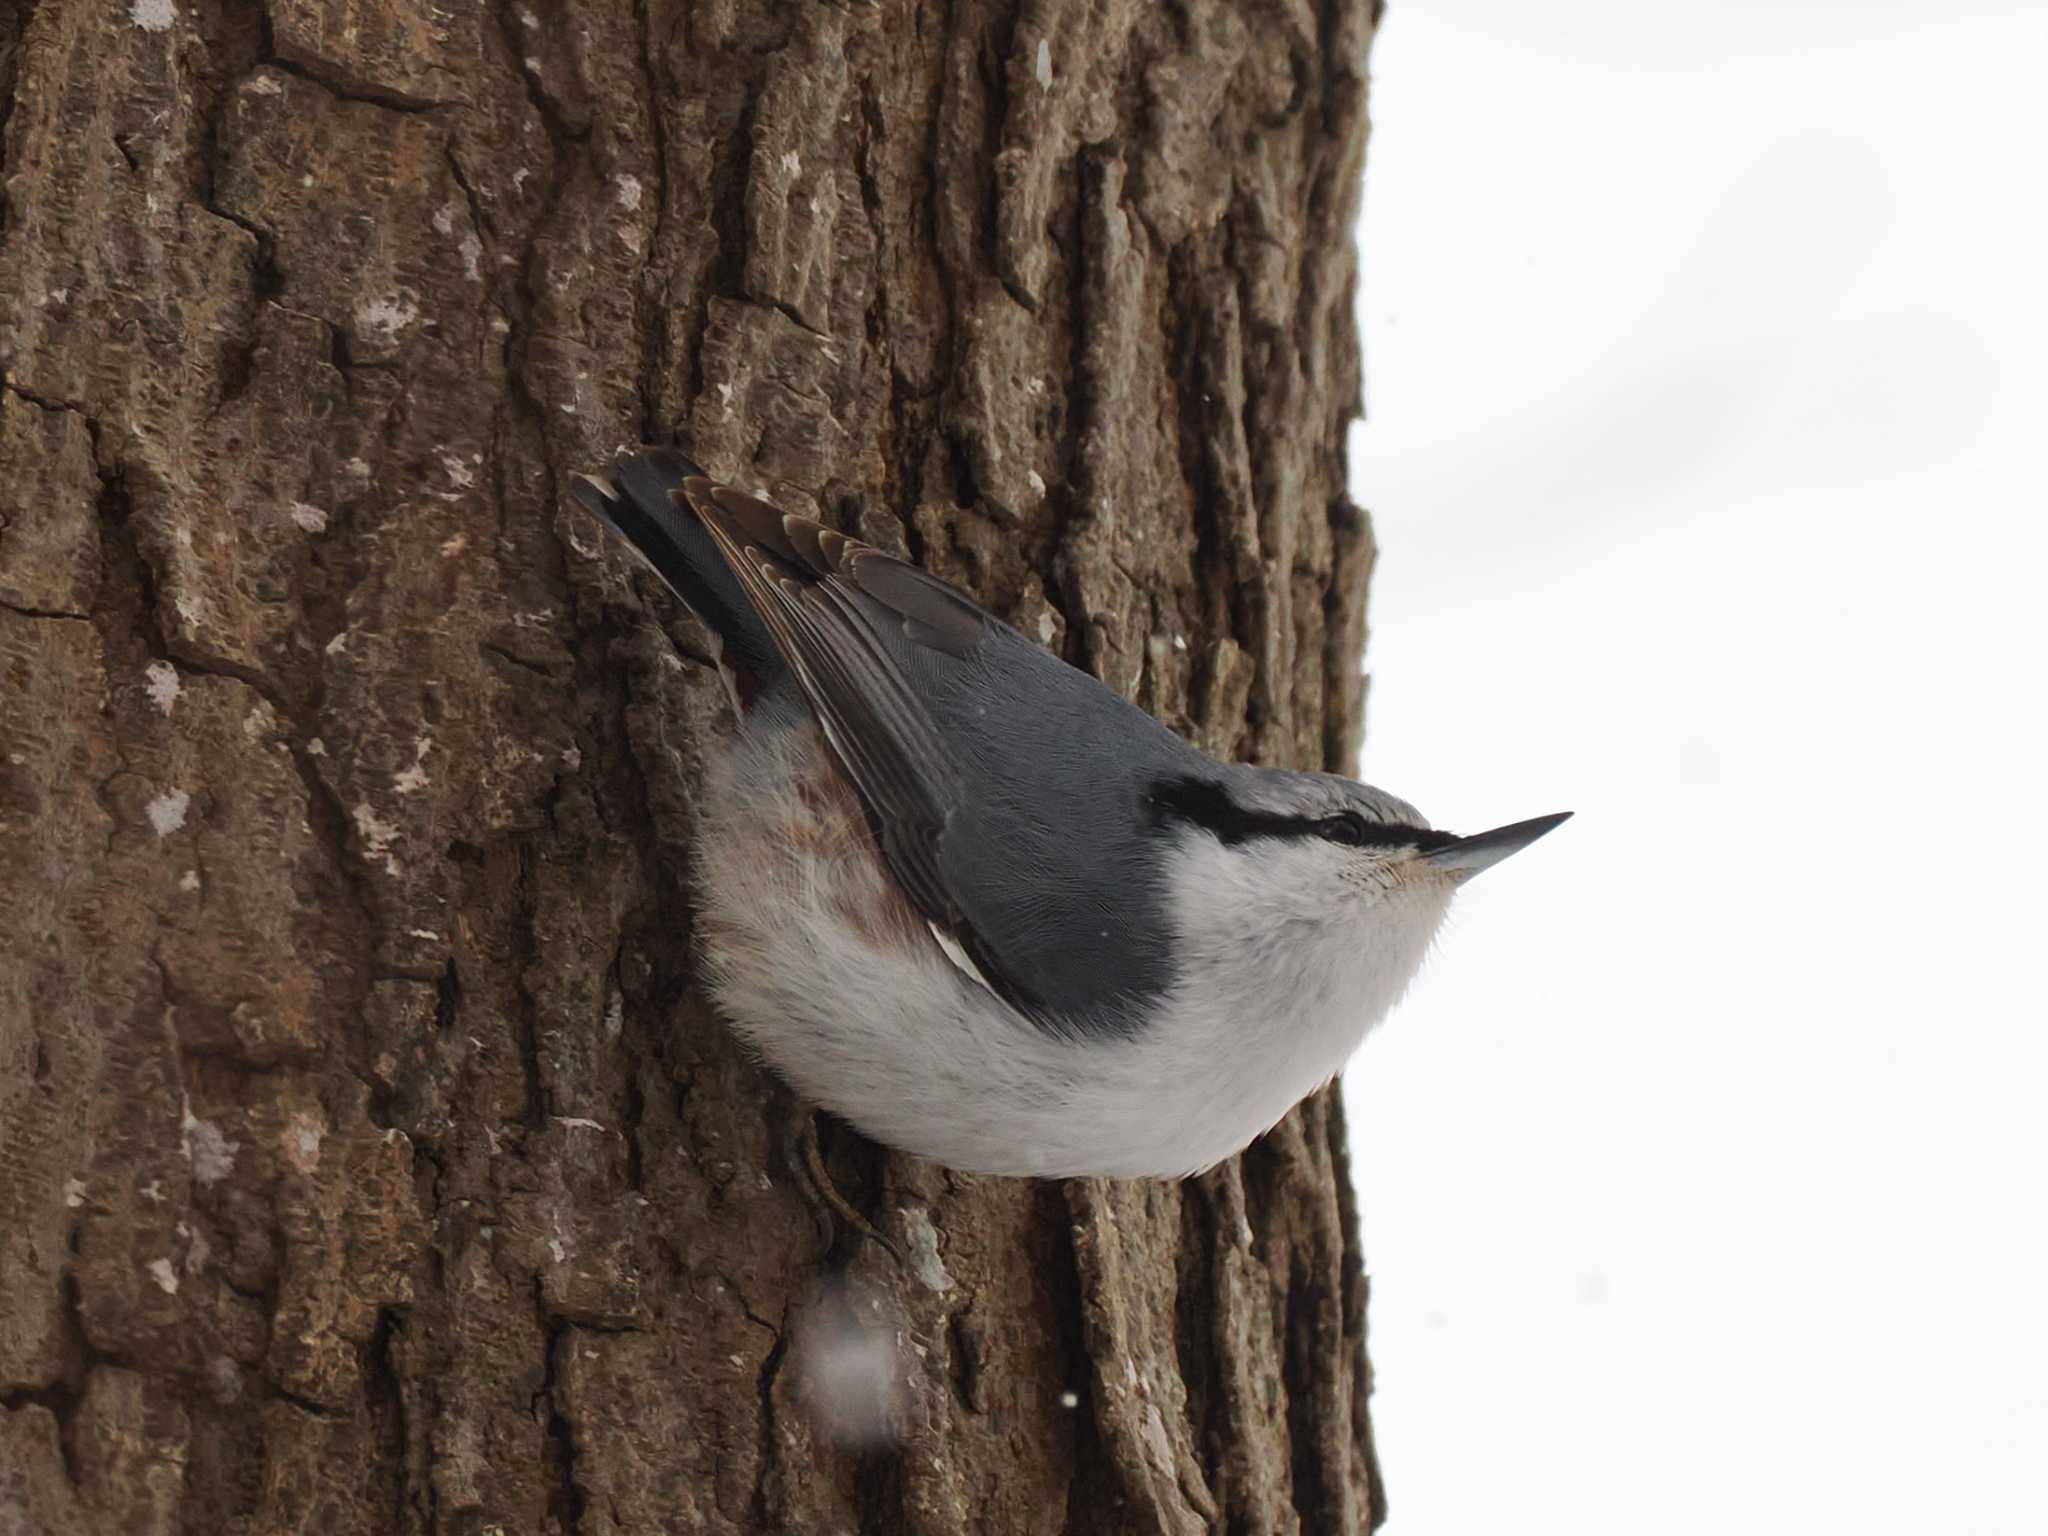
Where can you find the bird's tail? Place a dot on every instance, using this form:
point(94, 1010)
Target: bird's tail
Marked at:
point(641, 499)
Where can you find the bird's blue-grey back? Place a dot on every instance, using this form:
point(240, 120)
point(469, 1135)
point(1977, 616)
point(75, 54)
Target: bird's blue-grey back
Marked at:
point(1053, 848)
point(1008, 790)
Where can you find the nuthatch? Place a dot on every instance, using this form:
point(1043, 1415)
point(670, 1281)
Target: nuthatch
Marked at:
point(965, 896)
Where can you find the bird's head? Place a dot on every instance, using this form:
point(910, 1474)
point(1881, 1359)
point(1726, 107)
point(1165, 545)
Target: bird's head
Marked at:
point(1301, 865)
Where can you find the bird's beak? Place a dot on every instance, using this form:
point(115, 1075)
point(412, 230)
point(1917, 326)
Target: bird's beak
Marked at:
point(1482, 850)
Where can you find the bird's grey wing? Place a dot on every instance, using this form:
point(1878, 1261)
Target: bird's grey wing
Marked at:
point(807, 584)
point(902, 671)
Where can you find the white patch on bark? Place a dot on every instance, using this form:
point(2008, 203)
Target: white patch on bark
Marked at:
point(153, 15)
point(309, 517)
point(167, 812)
point(922, 1244)
point(628, 190)
point(378, 835)
point(303, 1134)
point(211, 1153)
point(1043, 68)
point(166, 1277)
point(382, 319)
point(163, 686)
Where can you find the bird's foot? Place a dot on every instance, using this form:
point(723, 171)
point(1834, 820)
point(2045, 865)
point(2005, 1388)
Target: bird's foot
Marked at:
point(810, 1156)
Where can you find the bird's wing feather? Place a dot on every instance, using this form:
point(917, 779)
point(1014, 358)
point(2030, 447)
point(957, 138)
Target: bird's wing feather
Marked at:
point(1006, 789)
point(634, 498)
point(829, 601)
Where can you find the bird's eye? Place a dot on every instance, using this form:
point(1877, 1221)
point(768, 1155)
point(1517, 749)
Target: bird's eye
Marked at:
point(1344, 828)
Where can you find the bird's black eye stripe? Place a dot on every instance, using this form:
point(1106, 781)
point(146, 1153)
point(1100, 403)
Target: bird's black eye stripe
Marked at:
point(1207, 804)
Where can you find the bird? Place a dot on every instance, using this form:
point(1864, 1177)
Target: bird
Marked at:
point(969, 899)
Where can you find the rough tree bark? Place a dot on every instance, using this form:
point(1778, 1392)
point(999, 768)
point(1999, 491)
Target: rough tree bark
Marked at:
point(367, 1162)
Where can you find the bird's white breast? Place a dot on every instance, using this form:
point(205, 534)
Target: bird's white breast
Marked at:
point(824, 967)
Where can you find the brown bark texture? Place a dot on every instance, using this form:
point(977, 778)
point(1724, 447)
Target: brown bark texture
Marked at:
point(368, 1162)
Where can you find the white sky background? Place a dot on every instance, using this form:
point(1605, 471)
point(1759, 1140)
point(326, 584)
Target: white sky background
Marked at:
point(1705, 1173)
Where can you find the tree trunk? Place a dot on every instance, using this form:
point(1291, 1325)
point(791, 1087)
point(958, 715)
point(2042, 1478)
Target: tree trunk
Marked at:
point(368, 1162)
